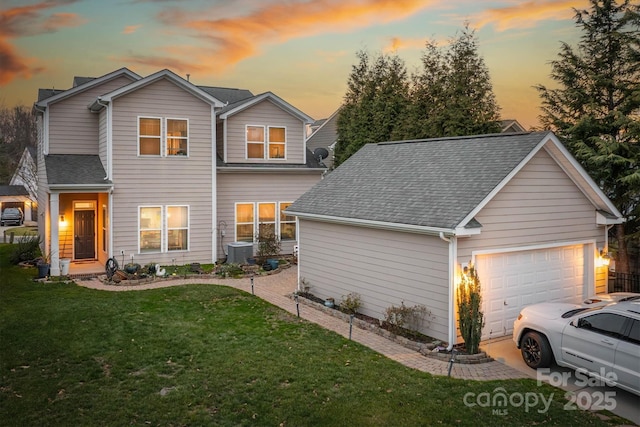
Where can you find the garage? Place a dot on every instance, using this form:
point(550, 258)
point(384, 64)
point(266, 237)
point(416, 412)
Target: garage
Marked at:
point(514, 279)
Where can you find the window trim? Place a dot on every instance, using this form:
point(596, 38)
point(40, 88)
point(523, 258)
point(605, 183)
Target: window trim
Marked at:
point(140, 207)
point(253, 222)
point(247, 142)
point(256, 220)
point(166, 228)
point(280, 222)
point(166, 136)
point(150, 136)
point(283, 143)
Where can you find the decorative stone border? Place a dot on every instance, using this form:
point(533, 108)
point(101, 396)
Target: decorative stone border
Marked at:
point(426, 349)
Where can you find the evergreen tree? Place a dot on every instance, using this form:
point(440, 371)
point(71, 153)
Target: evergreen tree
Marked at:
point(453, 95)
point(595, 110)
point(376, 98)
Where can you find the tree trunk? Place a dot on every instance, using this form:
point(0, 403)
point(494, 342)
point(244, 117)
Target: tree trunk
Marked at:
point(622, 259)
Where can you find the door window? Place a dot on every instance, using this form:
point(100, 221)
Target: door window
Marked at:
point(604, 323)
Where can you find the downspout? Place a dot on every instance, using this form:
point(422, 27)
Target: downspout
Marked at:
point(214, 186)
point(109, 148)
point(452, 288)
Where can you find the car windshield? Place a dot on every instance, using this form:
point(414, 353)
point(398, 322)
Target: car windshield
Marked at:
point(575, 311)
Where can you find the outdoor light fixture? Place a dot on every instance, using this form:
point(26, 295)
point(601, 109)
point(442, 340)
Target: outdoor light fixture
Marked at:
point(605, 259)
point(62, 219)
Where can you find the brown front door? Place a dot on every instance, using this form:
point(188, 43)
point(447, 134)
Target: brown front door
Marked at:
point(84, 236)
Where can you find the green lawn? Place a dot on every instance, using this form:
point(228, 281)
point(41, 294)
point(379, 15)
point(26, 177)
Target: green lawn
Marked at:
point(212, 355)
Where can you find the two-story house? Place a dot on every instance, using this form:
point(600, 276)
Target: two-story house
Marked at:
point(158, 170)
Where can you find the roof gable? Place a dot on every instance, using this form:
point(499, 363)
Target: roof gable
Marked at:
point(435, 183)
point(50, 96)
point(242, 105)
point(163, 74)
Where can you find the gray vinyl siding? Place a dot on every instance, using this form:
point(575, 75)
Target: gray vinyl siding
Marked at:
point(265, 114)
point(258, 187)
point(324, 137)
point(73, 129)
point(162, 181)
point(384, 267)
point(540, 205)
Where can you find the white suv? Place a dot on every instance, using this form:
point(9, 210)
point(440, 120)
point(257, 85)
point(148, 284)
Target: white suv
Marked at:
point(602, 340)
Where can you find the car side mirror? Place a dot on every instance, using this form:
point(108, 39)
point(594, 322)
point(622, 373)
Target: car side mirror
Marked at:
point(573, 323)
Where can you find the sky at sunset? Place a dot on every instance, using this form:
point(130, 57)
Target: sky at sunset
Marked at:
point(302, 50)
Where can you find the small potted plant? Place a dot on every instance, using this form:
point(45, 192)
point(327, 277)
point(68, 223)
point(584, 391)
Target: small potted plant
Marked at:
point(44, 264)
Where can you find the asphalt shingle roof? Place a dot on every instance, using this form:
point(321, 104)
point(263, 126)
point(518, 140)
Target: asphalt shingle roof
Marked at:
point(13, 190)
point(227, 95)
point(430, 183)
point(74, 169)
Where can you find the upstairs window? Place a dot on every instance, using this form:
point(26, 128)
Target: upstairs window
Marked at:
point(150, 136)
point(277, 142)
point(163, 137)
point(177, 137)
point(255, 142)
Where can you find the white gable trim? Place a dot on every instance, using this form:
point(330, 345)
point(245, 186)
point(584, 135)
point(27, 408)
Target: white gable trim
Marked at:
point(164, 74)
point(83, 87)
point(275, 100)
point(601, 201)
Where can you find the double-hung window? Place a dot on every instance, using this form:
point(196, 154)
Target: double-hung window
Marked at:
point(255, 142)
point(177, 137)
point(163, 137)
point(287, 223)
point(150, 229)
point(244, 222)
point(277, 142)
point(150, 136)
point(163, 229)
point(255, 219)
point(266, 143)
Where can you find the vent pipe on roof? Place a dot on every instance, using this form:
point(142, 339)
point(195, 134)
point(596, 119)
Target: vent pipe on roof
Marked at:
point(188, 76)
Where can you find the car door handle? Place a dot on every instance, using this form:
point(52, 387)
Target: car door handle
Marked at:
point(608, 342)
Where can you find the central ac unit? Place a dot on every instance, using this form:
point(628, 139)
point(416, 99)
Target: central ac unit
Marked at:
point(238, 252)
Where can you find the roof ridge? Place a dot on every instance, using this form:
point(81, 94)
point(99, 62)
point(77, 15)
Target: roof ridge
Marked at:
point(454, 138)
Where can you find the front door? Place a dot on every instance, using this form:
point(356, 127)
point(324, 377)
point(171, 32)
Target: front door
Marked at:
point(84, 236)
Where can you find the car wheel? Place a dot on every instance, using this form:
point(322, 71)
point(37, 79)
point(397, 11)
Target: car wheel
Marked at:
point(536, 351)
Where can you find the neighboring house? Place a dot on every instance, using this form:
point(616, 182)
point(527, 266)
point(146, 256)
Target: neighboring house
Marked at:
point(157, 169)
point(14, 196)
point(26, 176)
point(398, 222)
point(325, 135)
point(511, 126)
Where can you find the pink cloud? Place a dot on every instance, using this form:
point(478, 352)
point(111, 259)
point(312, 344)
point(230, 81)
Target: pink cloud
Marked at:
point(26, 21)
point(130, 29)
point(527, 14)
point(233, 39)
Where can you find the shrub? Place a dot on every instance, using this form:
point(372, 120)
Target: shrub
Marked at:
point(351, 303)
point(26, 249)
point(470, 317)
point(268, 243)
point(403, 317)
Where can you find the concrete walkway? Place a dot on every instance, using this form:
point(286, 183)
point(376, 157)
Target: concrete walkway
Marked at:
point(277, 288)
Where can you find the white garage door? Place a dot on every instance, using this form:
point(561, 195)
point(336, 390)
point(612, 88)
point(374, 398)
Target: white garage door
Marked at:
point(513, 280)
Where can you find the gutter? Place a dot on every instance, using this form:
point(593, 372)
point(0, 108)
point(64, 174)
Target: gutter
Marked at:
point(453, 248)
point(421, 229)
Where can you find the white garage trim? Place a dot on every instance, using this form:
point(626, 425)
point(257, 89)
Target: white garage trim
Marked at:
point(512, 282)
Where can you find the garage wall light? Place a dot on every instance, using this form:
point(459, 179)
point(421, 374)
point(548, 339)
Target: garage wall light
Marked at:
point(605, 259)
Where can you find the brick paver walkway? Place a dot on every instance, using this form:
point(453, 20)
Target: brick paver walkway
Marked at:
point(277, 288)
